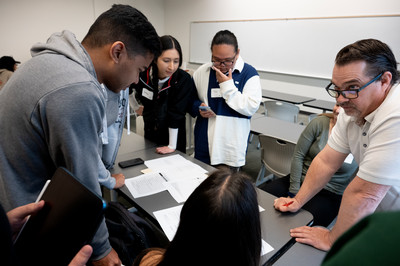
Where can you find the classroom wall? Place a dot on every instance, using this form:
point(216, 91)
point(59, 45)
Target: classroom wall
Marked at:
point(25, 22)
point(179, 14)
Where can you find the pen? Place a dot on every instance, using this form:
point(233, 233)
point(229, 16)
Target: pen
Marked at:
point(287, 204)
point(163, 177)
point(42, 191)
point(37, 200)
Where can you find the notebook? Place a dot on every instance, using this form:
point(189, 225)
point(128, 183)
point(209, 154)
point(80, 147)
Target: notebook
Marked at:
point(68, 221)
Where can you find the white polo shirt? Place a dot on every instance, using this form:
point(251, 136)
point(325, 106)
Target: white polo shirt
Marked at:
point(375, 145)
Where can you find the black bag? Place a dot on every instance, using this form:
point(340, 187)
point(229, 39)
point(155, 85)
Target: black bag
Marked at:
point(129, 233)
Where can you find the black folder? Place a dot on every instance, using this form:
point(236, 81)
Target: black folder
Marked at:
point(68, 221)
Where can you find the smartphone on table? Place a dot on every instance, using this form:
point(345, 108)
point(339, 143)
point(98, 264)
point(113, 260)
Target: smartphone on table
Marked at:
point(131, 162)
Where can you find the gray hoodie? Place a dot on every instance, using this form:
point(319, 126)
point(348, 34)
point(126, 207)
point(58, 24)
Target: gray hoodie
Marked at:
point(51, 116)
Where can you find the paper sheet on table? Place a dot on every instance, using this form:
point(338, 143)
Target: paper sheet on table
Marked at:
point(175, 167)
point(146, 184)
point(265, 247)
point(181, 189)
point(169, 220)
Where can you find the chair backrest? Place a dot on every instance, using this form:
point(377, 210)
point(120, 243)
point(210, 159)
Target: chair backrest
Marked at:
point(276, 155)
point(282, 110)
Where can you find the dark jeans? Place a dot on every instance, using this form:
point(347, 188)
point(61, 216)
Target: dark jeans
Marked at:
point(324, 206)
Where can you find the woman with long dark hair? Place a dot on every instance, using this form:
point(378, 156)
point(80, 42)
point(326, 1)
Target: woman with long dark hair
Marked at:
point(164, 90)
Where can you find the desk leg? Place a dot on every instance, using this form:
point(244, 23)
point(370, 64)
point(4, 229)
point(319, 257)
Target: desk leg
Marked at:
point(113, 195)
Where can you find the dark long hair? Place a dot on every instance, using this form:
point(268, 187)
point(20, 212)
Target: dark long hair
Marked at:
point(376, 54)
point(219, 224)
point(127, 24)
point(168, 42)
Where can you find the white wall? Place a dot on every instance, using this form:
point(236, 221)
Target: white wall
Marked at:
point(179, 14)
point(25, 22)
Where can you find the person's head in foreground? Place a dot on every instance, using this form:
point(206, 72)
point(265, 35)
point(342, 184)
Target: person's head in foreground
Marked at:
point(219, 224)
point(124, 43)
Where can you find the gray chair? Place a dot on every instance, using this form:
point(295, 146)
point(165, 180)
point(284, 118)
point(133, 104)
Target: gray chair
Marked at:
point(282, 110)
point(260, 112)
point(276, 158)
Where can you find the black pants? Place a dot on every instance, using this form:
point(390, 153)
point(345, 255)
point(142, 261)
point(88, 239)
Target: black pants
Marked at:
point(324, 206)
point(233, 169)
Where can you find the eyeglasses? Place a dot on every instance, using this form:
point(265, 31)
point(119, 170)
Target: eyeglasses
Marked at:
point(227, 62)
point(351, 93)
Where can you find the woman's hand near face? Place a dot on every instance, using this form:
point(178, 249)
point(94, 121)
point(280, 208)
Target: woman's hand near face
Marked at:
point(221, 77)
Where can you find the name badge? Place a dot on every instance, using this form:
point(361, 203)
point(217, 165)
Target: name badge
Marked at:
point(216, 93)
point(349, 159)
point(147, 94)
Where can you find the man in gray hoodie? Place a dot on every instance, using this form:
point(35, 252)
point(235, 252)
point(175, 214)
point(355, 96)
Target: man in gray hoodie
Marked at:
point(52, 109)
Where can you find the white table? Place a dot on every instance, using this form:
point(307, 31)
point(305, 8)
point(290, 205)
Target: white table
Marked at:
point(321, 104)
point(286, 97)
point(277, 128)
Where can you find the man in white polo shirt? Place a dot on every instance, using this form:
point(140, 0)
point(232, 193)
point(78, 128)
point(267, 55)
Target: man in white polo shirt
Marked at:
point(364, 83)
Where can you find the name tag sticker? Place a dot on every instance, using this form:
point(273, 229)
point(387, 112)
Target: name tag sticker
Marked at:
point(216, 93)
point(349, 158)
point(147, 94)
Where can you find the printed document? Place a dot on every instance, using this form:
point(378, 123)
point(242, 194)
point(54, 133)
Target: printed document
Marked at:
point(176, 167)
point(169, 220)
point(181, 189)
point(146, 184)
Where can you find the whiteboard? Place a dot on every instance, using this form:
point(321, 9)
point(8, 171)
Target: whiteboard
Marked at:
point(304, 47)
